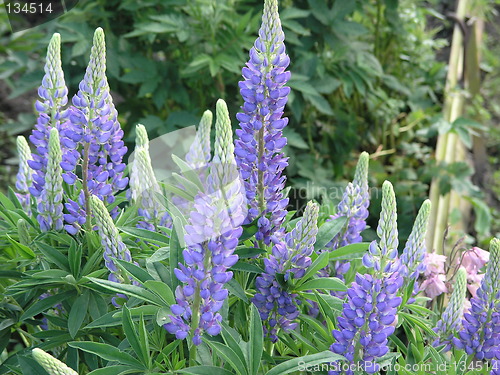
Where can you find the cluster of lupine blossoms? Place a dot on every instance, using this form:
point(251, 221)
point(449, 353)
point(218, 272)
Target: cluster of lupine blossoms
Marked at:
point(69, 179)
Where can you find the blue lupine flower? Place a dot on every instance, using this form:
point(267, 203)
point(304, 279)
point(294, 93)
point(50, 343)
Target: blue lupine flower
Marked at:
point(451, 320)
point(24, 174)
point(369, 313)
point(480, 335)
point(260, 140)
point(290, 257)
point(94, 126)
point(212, 233)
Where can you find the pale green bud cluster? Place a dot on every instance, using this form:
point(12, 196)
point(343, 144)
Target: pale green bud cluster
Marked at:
point(52, 365)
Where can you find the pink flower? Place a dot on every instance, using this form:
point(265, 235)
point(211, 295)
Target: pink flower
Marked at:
point(434, 285)
point(474, 259)
point(434, 264)
point(474, 282)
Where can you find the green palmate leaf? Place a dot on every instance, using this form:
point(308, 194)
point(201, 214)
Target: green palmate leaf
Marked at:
point(320, 262)
point(229, 356)
point(135, 271)
point(162, 290)
point(204, 370)
point(175, 256)
point(415, 320)
point(53, 255)
point(326, 283)
point(46, 304)
point(146, 235)
point(107, 352)
point(348, 252)
point(130, 290)
point(249, 252)
point(328, 231)
point(304, 363)
point(235, 288)
point(23, 250)
point(78, 313)
point(132, 337)
point(256, 342)
point(233, 341)
point(246, 267)
point(113, 370)
point(75, 258)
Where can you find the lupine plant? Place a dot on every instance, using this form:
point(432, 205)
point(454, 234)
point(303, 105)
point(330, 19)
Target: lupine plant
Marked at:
point(115, 271)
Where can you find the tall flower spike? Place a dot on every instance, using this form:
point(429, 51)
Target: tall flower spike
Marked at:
point(480, 335)
point(370, 310)
point(451, 320)
point(260, 141)
point(50, 206)
point(291, 257)
point(381, 257)
point(52, 365)
point(212, 233)
point(198, 155)
point(114, 248)
point(53, 97)
point(95, 137)
point(144, 186)
point(23, 181)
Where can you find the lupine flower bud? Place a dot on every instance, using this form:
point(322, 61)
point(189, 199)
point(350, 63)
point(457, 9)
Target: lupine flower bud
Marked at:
point(368, 316)
point(381, 256)
point(260, 140)
point(50, 206)
point(52, 365)
point(143, 185)
point(451, 320)
point(414, 252)
point(198, 155)
point(212, 233)
point(354, 206)
point(114, 248)
point(480, 335)
point(94, 125)
point(291, 257)
point(24, 180)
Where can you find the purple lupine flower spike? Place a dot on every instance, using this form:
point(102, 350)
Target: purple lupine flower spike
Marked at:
point(369, 313)
point(144, 186)
point(24, 174)
point(51, 114)
point(291, 257)
point(50, 204)
point(451, 320)
point(212, 233)
point(111, 241)
point(480, 335)
point(260, 141)
point(95, 137)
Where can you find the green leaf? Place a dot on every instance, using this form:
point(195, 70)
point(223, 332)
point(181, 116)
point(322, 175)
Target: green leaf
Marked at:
point(320, 262)
point(131, 290)
point(175, 257)
point(107, 352)
point(204, 370)
point(326, 283)
point(246, 267)
point(255, 345)
point(131, 334)
point(25, 251)
point(162, 290)
point(78, 313)
point(112, 370)
point(45, 304)
point(299, 364)
point(249, 252)
point(349, 252)
point(53, 255)
point(146, 235)
point(75, 259)
point(328, 231)
point(229, 356)
point(419, 322)
point(235, 288)
point(137, 272)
